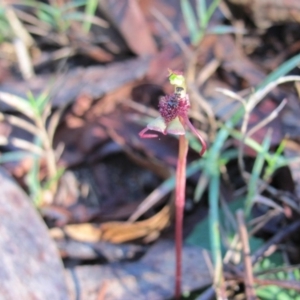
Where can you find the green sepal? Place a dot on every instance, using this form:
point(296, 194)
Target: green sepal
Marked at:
point(175, 127)
point(157, 124)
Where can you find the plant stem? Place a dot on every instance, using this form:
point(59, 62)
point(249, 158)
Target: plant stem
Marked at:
point(214, 190)
point(180, 199)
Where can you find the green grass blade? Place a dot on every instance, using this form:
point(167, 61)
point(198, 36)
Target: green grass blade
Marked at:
point(275, 161)
point(73, 4)
point(42, 100)
point(90, 10)
point(282, 70)
point(256, 173)
point(40, 6)
point(14, 156)
point(214, 225)
point(224, 29)
point(212, 9)
point(212, 156)
point(201, 11)
point(46, 17)
point(190, 20)
point(33, 182)
point(280, 159)
point(201, 186)
point(49, 183)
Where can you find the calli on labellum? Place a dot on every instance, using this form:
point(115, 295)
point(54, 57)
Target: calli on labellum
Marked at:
point(173, 110)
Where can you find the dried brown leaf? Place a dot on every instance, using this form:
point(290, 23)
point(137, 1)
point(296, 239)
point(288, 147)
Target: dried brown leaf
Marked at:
point(130, 20)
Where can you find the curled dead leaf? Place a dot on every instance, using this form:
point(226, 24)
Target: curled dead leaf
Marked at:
point(120, 232)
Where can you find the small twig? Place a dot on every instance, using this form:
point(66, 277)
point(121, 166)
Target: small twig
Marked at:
point(277, 270)
point(49, 153)
point(31, 19)
point(161, 191)
point(175, 36)
point(252, 102)
point(102, 291)
point(232, 95)
point(17, 26)
point(54, 122)
point(22, 42)
point(206, 107)
point(248, 272)
point(259, 222)
point(268, 119)
point(286, 284)
point(283, 198)
point(233, 251)
point(24, 60)
point(141, 108)
point(152, 199)
point(267, 202)
point(62, 53)
point(276, 239)
point(207, 71)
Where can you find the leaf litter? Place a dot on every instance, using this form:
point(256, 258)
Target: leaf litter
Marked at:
point(109, 82)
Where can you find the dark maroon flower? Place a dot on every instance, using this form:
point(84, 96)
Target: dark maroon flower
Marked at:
point(173, 110)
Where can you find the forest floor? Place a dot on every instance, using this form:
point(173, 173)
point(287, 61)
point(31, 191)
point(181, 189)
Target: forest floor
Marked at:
point(88, 206)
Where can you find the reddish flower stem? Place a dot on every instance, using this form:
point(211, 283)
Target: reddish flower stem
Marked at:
point(179, 204)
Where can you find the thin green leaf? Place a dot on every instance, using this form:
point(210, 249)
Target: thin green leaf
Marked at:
point(214, 225)
point(46, 17)
point(79, 16)
point(190, 20)
point(211, 9)
point(54, 179)
point(90, 10)
point(228, 155)
point(274, 162)
point(224, 29)
point(282, 70)
point(32, 102)
point(212, 156)
point(280, 159)
point(15, 156)
point(73, 4)
point(32, 179)
point(40, 6)
point(42, 100)
point(201, 11)
point(256, 173)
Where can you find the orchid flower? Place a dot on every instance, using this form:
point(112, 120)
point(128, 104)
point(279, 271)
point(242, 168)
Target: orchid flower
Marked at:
point(173, 110)
point(174, 119)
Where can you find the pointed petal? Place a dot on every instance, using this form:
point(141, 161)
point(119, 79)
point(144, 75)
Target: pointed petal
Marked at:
point(157, 124)
point(175, 127)
point(194, 130)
